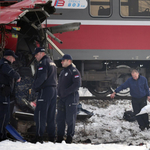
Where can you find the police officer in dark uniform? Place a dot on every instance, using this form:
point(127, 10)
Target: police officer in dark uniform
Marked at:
point(68, 85)
point(45, 84)
point(7, 75)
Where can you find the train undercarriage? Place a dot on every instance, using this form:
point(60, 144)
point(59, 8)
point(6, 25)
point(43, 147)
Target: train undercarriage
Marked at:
point(110, 74)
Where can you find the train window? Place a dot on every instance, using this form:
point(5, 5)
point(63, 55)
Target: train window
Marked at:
point(135, 8)
point(100, 8)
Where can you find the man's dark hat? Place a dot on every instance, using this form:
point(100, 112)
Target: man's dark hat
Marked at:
point(10, 53)
point(66, 56)
point(39, 49)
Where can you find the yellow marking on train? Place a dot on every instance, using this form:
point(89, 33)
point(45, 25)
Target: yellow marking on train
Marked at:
point(17, 29)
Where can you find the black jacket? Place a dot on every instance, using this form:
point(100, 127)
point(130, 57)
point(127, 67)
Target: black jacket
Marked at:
point(46, 74)
point(7, 73)
point(69, 81)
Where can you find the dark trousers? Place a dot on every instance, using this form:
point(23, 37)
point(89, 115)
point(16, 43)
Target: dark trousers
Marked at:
point(4, 115)
point(138, 104)
point(66, 114)
point(45, 111)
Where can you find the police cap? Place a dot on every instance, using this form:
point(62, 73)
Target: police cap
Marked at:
point(39, 49)
point(66, 56)
point(10, 53)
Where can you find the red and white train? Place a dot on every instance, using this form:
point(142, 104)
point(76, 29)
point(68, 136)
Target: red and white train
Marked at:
point(114, 37)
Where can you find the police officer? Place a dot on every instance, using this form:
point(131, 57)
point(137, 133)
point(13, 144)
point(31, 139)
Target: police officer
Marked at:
point(45, 84)
point(7, 75)
point(68, 85)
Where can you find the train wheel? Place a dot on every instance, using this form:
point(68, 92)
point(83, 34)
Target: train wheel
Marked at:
point(97, 90)
point(120, 81)
point(125, 92)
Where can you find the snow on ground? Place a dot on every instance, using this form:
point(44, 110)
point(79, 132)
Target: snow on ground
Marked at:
point(106, 130)
point(107, 125)
point(84, 92)
point(8, 145)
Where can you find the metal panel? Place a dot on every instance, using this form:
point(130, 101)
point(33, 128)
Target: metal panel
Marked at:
point(106, 54)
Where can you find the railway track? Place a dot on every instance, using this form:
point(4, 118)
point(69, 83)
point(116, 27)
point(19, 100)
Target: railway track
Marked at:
point(104, 98)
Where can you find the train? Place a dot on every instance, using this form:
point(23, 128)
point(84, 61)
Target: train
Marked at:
point(113, 38)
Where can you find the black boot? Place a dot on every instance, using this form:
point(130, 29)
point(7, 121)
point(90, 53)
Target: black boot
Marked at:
point(147, 126)
point(59, 139)
point(69, 140)
point(37, 139)
point(142, 128)
point(51, 139)
point(3, 139)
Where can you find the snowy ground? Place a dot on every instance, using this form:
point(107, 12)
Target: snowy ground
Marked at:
point(107, 125)
point(106, 130)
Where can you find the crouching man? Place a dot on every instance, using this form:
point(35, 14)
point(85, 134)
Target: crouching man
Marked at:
point(139, 91)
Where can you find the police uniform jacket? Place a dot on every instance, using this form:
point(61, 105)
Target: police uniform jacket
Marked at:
point(69, 81)
point(46, 74)
point(7, 73)
point(138, 88)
